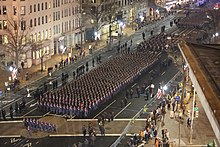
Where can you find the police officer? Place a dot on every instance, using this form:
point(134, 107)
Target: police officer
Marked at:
point(11, 111)
point(45, 87)
point(16, 107)
point(87, 66)
point(131, 93)
point(93, 62)
point(74, 74)
point(3, 114)
point(100, 58)
point(138, 91)
point(151, 32)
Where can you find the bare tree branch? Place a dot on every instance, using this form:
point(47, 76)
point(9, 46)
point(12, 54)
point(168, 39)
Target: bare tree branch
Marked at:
point(17, 43)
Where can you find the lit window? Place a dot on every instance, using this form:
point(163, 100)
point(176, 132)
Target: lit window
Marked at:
point(23, 41)
point(38, 36)
point(49, 32)
point(5, 39)
point(4, 10)
point(4, 24)
point(46, 34)
point(49, 5)
point(22, 10)
point(35, 37)
point(42, 36)
point(31, 38)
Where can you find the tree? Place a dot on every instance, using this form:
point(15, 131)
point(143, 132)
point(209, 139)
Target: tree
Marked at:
point(100, 14)
point(35, 46)
point(111, 10)
point(15, 42)
point(95, 13)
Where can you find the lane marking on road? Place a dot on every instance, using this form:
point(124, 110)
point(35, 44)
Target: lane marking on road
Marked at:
point(29, 112)
point(122, 110)
point(13, 121)
point(117, 119)
point(110, 56)
point(66, 135)
point(163, 73)
point(9, 136)
point(32, 105)
point(134, 85)
point(9, 113)
point(151, 71)
point(46, 113)
point(30, 102)
point(104, 109)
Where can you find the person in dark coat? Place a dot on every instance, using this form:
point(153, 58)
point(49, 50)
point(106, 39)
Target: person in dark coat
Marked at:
point(3, 114)
point(131, 93)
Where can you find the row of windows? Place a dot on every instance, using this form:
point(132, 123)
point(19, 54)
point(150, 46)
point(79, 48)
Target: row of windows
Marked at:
point(41, 35)
point(65, 13)
point(40, 20)
point(66, 26)
point(4, 25)
point(38, 7)
point(39, 53)
point(3, 10)
point(57, 3)
point(4, 39)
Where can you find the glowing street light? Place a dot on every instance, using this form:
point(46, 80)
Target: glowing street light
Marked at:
point(165, 87)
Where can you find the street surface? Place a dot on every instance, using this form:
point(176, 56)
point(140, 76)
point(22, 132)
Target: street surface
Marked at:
point(113, 129)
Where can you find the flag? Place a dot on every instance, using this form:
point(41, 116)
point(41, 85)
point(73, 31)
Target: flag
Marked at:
point(159, 93)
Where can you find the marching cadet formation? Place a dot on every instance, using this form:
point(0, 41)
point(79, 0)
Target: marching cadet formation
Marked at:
point(85, 94)
point(34, 124)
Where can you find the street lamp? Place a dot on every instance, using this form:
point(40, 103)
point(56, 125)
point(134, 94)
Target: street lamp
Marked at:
point(165, 87)
point(61, 50)
point(121, 25)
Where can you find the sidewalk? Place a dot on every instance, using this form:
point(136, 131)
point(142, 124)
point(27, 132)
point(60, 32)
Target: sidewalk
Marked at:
point(202, 130)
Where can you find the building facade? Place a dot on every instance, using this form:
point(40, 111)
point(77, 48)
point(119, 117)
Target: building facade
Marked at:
point(52, 23)
point(123, 13)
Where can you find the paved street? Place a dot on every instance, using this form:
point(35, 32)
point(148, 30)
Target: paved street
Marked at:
point(106, 54)
point(70, 130)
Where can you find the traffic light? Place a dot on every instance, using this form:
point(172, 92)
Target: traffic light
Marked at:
point(196, 114)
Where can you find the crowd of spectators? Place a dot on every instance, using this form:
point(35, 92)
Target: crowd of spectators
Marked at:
point(150, 130)
point(34, 124)
point(88, 92)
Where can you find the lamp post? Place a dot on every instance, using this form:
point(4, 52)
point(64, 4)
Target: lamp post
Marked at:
point(61, 50)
